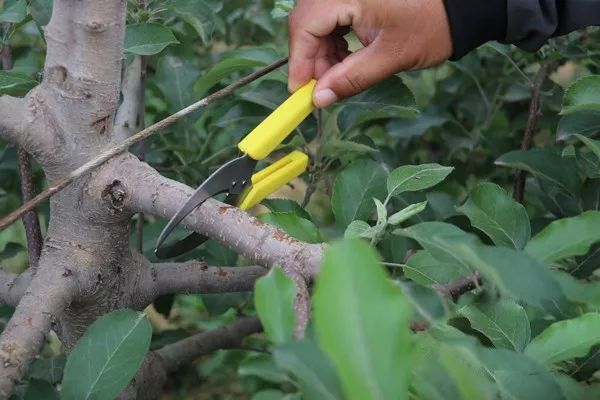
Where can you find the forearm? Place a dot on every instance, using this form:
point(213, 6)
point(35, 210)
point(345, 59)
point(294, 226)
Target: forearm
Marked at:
point(525, 23)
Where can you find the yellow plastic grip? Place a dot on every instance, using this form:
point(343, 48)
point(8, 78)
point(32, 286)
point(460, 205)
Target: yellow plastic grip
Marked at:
point(273, 177)
point(276, 127)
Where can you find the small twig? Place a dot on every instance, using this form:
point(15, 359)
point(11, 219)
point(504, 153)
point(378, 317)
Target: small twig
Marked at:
point(33, 232)
point(125, 144)
point(535, 111)
point(457, 288)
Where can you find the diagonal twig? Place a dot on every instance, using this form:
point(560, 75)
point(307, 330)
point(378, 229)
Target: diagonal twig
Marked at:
point(125, 144)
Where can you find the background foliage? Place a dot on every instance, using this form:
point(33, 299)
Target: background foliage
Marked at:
point(416, 173)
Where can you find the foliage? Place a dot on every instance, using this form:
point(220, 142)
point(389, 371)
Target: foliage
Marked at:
point(416, 173)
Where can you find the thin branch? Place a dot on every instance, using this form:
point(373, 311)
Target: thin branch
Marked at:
point(48, 294)
point(178, 354)
point(457, 288)
point(30, 219)
point(535, 111)
point(13, 286)
point(124, 145)
point(195, 277)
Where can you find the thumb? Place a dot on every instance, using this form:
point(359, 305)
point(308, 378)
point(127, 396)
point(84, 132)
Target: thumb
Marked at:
point(354, 74)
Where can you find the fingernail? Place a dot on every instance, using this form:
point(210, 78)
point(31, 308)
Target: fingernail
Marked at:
point(324, 98)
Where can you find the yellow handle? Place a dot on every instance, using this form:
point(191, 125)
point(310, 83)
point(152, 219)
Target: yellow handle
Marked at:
point(273, 177)
point(276, 127)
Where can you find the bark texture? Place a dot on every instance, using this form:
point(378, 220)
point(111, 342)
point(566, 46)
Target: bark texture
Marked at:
point(87, 267)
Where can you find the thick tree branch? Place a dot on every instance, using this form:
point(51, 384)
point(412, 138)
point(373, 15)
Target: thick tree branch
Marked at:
point(9, 105)
point(196, 277)
point(48, 294)
point(178, 354)
point(12, 120)
point(13, 286)
point(261, 243)
point(152, 376)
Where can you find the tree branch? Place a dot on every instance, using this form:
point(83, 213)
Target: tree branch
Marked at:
point(534, 115)
point(31, 221)
point(63, 182)
point(457, 288)
point(195, 277)
point(13, 286)
point(48, 295)
point(259, 242)
point(12, 120)
point(132, 90)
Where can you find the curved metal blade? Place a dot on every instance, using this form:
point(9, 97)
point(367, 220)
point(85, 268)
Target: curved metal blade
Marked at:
point(232, 177)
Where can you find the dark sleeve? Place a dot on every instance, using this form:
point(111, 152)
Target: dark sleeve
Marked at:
point(525, 23)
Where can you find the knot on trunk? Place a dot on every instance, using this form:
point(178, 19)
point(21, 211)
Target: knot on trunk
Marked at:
point(115, 196)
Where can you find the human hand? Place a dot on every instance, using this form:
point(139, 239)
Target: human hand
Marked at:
point(398, 35)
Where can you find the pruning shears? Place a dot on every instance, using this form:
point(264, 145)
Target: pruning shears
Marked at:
point(237, 179)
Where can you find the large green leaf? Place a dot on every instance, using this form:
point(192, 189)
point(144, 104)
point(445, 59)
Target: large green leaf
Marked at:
point(547, 165)
point(234, 62)
point(567, 339)
point(305, 361)
point(426, 270)
point(504, 322)
point(514, 273)
point(262, 366)
point(583, 95)
point(293, 225)
point(15, 83)
point(583, 123)
point(41, 11)
point(593, 145)
point(175, 78)
point(388, 99)
point(566, 237)
point(200, 14)
point(147, 39)
point(14, 11)
point(410, 178)
point(274, 296)
point(354, 190)
point(494, 212)
point(107, 356)
point(362, 320)
point(518, 377)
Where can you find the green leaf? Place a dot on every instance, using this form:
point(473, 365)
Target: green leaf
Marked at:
point(262, 366)
point(336, 147)
point(574, 390)
point(505, 323)
point(147, 39)
point(354, 189)
point(305, 361)
point(38, 390)
point(593, 145)
point(407, 213)
point(48, 369)
point(371, 354)
point(293, 225)
point(426, 270)
point(493, 211)
point(360, 229)
point(514, 273)
point(14, 11)
point(41, 11)
point(410, 178)
point(107, 356)
point(583, 123)
point(547, 165)
point(583, 95)
point(286, 206)
point(200, 14)
point(175, 78)
point(235, 62)
point(388, 99)
point(518, 377)
point(11, 249)
point(15, 83)
point(282, 8)
point(564, 340)
point(566, 237)
point(408, 128)
point(274, 296)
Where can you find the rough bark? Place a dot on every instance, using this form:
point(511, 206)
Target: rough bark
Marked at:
point(13, 286)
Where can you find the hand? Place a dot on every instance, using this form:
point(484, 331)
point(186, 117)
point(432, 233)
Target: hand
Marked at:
point(398, 35)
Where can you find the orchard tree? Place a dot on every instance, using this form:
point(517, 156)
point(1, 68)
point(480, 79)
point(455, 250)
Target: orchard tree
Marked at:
point(438, 283)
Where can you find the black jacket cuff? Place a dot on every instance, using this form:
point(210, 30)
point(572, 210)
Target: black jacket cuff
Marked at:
point(475, 22)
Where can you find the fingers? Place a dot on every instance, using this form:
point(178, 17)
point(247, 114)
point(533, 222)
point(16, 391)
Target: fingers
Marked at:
point(312, 47)
point(353, 74)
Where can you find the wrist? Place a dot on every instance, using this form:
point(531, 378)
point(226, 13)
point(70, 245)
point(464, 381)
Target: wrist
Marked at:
point(475, 22)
